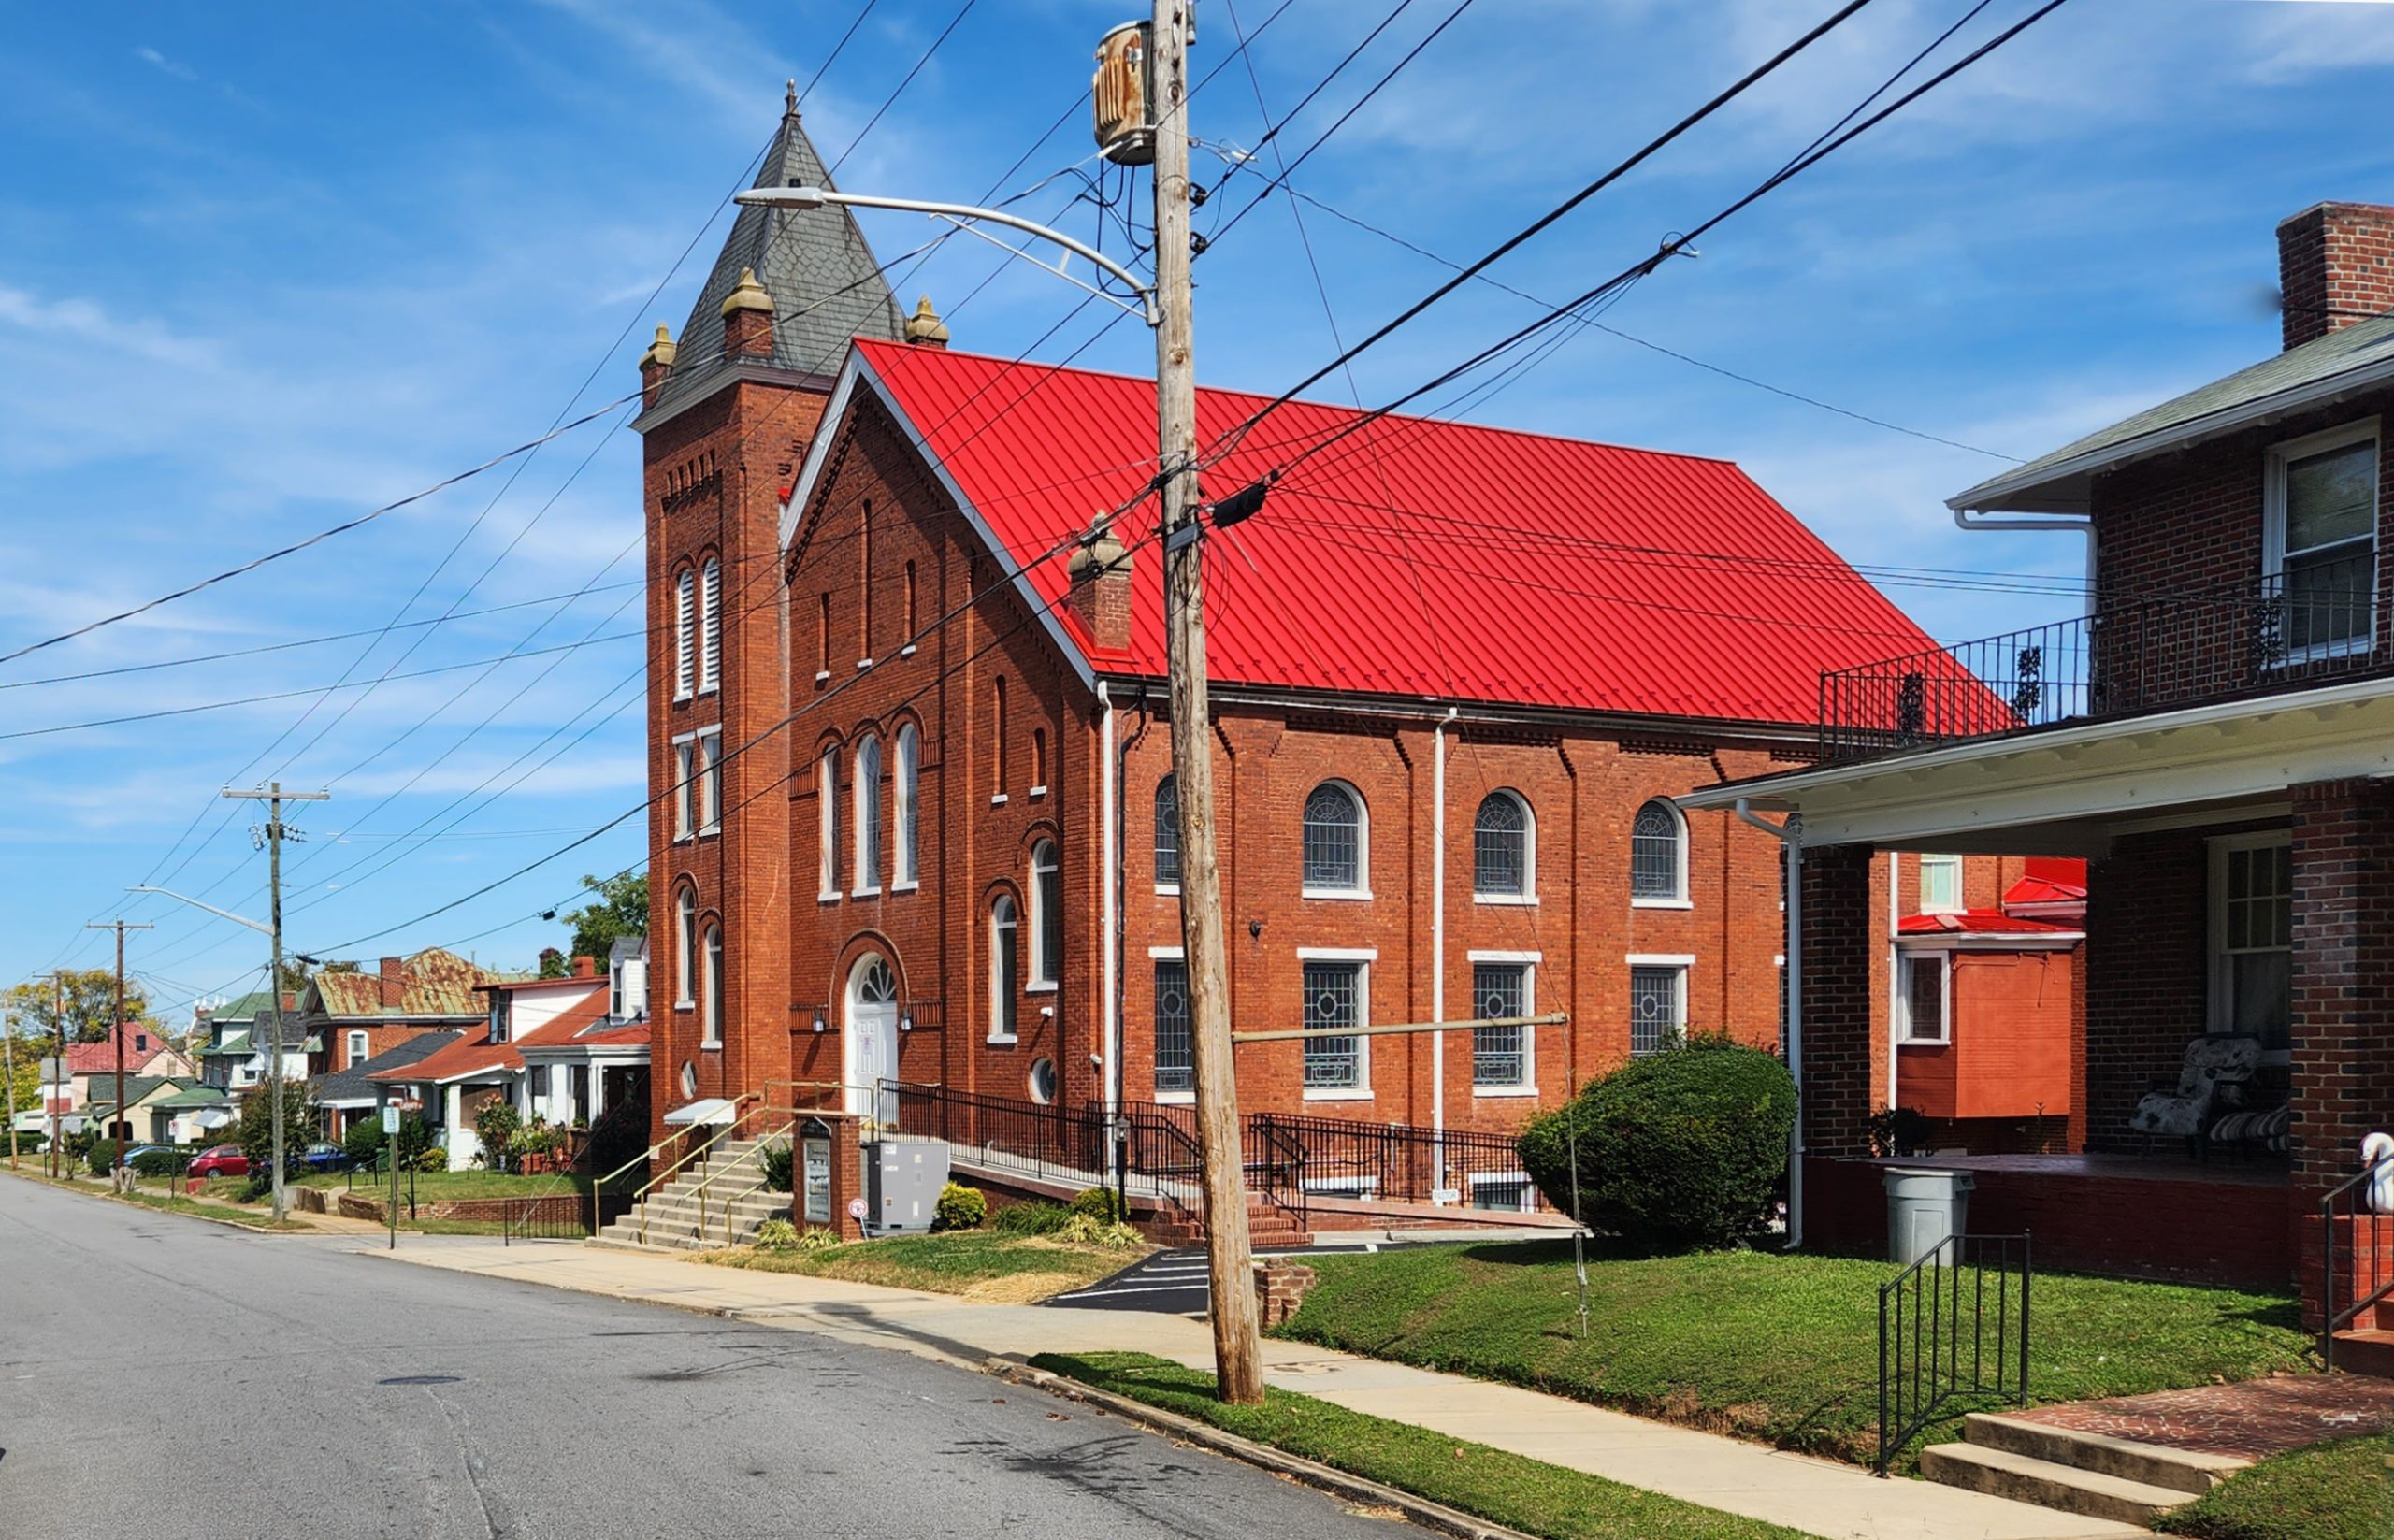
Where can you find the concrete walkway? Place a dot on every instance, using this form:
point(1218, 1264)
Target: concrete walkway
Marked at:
point(1822, 1497)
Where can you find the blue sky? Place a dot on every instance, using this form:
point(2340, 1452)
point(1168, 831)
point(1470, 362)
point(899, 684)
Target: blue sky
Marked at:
point(263, 267)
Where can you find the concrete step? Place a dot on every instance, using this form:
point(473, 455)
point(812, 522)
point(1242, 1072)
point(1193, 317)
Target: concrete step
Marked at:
point(2366, 1353)
point(2180, 1470)
point(2023, 1479)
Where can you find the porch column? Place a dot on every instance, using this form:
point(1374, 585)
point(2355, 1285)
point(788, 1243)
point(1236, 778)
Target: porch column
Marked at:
point(2342, 1019)
point(1843, 1068)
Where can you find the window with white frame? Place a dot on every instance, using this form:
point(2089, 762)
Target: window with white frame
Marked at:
point(1657, 1007)
point(1500, 1056)
point(1504, 847)
point(684, 788)
point(2320, 541)
point(1176, 1049)
point(1333, 856)
point(868, 815)
point(1658, 854)
point(2252, 937)
point(1167, 835)
point(905, 866)
point(686, 604)
point(711, 626)
point(1925, 998)
point(1333, 997)
point(1941, 885)
point(358, 1053)
point(710, 745)
point(501, 1019)
point(1503, 1191)
point(826, 819)
point(1047, 917)
point(1005, 968)
point(710, 1021)
point(685, 945)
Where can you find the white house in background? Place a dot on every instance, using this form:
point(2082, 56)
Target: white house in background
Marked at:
point(233, 1048)
point(575, 1070)
point(487, 1065)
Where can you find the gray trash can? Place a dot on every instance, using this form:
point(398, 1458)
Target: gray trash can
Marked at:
point(1923, 1206)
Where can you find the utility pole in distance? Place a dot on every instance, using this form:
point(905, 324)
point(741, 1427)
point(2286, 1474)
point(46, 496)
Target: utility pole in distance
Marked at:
point(116, 1030)
point(9, 1050)
point(272, 836)
point(58, 1064)
point(1238, 1348)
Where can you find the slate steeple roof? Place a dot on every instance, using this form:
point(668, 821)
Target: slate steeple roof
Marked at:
point(825, 284)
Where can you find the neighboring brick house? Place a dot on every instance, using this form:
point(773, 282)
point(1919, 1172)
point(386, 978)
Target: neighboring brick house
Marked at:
point(887, 844)
point(2216, 739)
point(347, 1019)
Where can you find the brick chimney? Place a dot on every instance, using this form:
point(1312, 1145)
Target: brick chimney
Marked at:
point(748, 318)
point(585, 968)
point(395, 983)
point(2335, 266)
point(656, 364)
point(1100, 571)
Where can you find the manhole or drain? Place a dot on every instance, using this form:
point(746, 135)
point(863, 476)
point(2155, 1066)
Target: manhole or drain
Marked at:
point(419, 1379)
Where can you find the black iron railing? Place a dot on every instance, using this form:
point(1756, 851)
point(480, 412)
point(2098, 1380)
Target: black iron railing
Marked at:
point(2365, 1275)
point(2132, 655)
point(1405, 1163)
point(1034, 1134)
point(1953, 1325)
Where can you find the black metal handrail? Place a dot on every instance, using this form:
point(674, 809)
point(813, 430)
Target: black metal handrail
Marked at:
point(2132, 655)
point(2372, 1265)
point(1936, 1329)
point(1401, 1162)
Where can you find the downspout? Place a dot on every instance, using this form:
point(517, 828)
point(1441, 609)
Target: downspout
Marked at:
point(1438, 950)
point(2040, 524)
point(1789, 834)
point(1895, 960)
point(1121, 878)
point(1109, 904)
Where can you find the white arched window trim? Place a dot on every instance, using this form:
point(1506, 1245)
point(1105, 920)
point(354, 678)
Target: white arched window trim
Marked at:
point(685, 643)
point(711, 626)
point(1006, 967)
point(826, 817)
point(710, 1019)
point(867, 817)
point(906, 861)
point(1167, 835)
point(1528, 894)
point(1047, 917)
point(685, 941)
point(1677, 898)
point(1362, 887)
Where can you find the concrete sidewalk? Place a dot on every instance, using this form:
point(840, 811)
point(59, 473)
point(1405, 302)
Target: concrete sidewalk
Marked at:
point(1822, 1497)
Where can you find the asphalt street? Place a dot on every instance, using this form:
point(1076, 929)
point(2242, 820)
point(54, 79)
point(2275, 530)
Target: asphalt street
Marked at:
point(164, 1376)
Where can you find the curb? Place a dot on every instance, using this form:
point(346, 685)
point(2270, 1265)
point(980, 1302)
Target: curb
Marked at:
point(80, 1191)
point(1337, 1483)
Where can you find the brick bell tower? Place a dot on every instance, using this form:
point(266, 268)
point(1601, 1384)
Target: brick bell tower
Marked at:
point(728, 412)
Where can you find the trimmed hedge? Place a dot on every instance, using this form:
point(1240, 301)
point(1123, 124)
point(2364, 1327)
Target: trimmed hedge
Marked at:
point(960, 1208)
point(1679, 1151)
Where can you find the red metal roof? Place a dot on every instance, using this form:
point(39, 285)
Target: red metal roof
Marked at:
point(1419, 558)
point(1978, 922)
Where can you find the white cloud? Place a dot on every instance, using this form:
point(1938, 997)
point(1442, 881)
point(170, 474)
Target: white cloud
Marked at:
point(156, 60)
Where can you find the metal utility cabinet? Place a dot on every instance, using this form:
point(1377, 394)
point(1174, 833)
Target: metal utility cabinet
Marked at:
point(902, 1178)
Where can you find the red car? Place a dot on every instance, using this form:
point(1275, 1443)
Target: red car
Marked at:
point(219, 1160)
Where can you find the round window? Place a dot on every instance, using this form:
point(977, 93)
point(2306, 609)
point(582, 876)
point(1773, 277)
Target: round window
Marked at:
point(1042, 1080)
point(689, 1078)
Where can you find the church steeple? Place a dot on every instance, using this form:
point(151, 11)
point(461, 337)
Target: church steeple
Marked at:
point(825, 285)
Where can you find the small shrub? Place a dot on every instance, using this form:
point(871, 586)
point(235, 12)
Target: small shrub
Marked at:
point(1899, 1131)
point(777, 1235)
point(778, 1161)
point(496, 1123)
point(959, 1207)
point(1034, 1219)
point(160, 1162)
point(1098, 1203)
point(1104, 1234)
point(820, 1240)
point(100, 1156)
point(363, 1142)
point(1681, 1151)
point(432, 1158)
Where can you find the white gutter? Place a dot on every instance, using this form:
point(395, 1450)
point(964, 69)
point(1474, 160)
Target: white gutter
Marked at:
point(1965, 518)
point(1438, 948)
point(1894, 961)
point(1110, 921)
point(1789, 834)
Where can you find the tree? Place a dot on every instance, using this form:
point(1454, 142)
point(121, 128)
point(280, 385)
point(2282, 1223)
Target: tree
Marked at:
point(24, 1092)
point(91, 1005)
point(255, 1131)
point(621, 911)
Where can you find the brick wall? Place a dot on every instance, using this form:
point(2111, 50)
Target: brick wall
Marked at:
point(2343, 952)
point(1845, 947)
point(2146, 986)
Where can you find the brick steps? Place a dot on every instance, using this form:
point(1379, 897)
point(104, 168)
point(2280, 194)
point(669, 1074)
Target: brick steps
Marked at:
point(2366, 1353)
point(1268, 1229)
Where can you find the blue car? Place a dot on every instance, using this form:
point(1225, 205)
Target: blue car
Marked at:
point(323, 1158)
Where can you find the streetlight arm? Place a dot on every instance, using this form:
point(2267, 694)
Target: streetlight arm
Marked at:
point(815, 197)
point(220, 913)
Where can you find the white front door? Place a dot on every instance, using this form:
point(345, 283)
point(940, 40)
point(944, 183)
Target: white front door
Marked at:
point(872, 1023)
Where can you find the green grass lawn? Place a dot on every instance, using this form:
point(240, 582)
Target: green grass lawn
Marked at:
point(174, 1202)
point(978, 1264)
point(438, 1186)
point(1780, 1348)
point(1505, 1488)
point(2332, 1492)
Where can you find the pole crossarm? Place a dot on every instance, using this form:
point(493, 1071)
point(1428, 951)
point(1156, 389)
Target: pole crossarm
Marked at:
point(815, 197)
point(1551, 1019)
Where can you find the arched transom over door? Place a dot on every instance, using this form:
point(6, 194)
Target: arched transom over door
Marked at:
point(871, 1055)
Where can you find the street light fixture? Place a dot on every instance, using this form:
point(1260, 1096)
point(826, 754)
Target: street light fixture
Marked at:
point(961, 215)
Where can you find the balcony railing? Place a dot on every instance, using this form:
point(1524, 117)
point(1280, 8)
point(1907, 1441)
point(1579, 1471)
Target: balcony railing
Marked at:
point(2133, 655)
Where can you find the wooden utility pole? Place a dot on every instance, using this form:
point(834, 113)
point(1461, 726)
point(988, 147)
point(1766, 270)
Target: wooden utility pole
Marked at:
point(1238, 1350)
point(116, 1030)
point(57, 1065)
point(9, 1050)
point(272, 836)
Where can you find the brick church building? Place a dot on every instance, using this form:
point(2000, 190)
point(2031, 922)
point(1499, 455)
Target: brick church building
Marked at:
point(909, 736)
